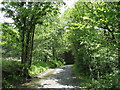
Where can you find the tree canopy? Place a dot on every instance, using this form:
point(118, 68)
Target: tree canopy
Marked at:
point(87, 35)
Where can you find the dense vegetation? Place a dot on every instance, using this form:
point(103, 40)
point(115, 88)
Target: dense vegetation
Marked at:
point(41, 38)
point(94, 35)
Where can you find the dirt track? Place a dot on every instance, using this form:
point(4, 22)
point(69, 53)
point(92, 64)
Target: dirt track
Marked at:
point(61, 77)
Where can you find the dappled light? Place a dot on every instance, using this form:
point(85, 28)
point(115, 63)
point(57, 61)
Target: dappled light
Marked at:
point(60, 45)
point(62, 77)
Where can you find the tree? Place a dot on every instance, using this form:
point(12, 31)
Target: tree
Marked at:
point(93, 30)
point(10, 41)
point(26, 16)
point(50, 34)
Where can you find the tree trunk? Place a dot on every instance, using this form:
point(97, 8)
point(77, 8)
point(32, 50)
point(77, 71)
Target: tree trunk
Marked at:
point(32, 41)
point(27, 51)
point(119, 48)
point(23, 47)
point(118, 38)
point(53, 52)
point(27, 48)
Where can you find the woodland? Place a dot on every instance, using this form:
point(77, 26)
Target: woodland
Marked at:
point(41, 37)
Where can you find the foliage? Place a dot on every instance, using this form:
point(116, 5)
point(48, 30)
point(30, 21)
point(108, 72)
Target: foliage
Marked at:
point(49, 41)
point(26, 16)
point(10, 41)
point(40, 66)
point(90, 31)
point(12, 76)
point(93, 42)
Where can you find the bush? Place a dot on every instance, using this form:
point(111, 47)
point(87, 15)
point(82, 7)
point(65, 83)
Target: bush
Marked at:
point(40, 66)
point(12, 71)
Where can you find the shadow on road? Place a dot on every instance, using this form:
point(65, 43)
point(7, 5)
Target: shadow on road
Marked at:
point(63, 76)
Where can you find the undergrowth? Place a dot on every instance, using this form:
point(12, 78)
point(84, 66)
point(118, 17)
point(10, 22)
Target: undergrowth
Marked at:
point(12, 71)
point(40, 66)
point(107, 81)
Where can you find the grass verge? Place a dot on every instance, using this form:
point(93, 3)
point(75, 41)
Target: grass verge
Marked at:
point(11, 71)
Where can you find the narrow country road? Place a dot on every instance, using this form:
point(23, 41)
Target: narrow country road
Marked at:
point(61, 77)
